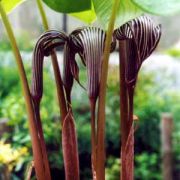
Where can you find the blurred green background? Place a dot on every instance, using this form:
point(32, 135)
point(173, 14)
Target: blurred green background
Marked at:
point(157, 91)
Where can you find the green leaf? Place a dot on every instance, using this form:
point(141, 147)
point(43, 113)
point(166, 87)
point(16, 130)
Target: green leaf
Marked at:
point(69, 6)
point(126, 11)
point(9, 5)
point(87, 16)
point(159, 7)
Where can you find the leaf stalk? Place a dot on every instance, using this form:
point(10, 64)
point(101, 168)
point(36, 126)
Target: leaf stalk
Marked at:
point(102, 96)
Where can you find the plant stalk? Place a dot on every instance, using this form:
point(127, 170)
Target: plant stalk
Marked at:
point(102, 96)
point(123, 95)
point(123, 104)
point(40, 164)
point(93, 137)
point(126, 118)
point(59, 85)
point(43, 14)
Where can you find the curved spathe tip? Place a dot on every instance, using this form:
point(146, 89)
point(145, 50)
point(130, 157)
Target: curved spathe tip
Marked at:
point(141, 36)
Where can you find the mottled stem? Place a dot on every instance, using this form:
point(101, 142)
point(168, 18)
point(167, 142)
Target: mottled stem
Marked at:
point(41, 137)
point(123, 103)
point(59, 85)
point(93, 136)
point(126, 117)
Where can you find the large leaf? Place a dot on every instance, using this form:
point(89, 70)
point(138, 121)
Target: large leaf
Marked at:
point(126, 11)
point(9, 5)
point(159, 7)
point(69, 6)
point(87, 16)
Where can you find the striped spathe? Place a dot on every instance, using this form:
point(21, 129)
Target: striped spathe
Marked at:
point(142, 37)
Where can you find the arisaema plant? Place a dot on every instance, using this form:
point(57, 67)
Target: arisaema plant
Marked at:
point(137, 40)
point(137, 37)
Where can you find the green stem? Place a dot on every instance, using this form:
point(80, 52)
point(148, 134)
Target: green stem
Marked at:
point(43, 15)
point(102, 96)
point(59, 84)
point(40, 165)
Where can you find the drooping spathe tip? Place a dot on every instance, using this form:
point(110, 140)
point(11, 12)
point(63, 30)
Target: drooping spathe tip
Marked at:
point(89, 43)
point(48, 41)
point(142, 37)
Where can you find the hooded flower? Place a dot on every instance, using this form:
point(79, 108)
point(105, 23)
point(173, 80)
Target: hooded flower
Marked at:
point(44, 46)
point(142, 37)
point(90, 43)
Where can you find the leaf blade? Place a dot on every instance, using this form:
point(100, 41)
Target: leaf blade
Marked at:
point(69, 6)
point(87, 16)
point(126, 11)
point(160, 7)
point(10, 5)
